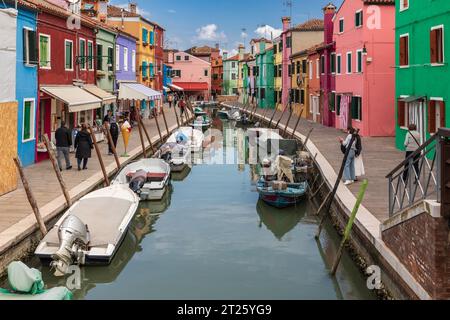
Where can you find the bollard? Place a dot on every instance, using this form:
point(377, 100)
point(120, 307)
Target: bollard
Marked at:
point(99, 155)
point(113, 147)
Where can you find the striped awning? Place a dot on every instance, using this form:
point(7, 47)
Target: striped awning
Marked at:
point(76, 98)
point(176, 88)
point(107, 98)
point(137, 91)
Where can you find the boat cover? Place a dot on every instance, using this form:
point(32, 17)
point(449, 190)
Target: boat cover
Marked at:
point(284, 165)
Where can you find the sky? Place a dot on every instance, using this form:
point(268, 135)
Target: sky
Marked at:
point(227, 22)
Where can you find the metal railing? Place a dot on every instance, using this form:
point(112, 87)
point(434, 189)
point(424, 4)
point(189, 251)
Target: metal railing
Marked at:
point(418, 178)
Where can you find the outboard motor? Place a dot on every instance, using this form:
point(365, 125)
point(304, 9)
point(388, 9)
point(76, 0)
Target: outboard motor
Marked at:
point(137, 181)
point(73, 237)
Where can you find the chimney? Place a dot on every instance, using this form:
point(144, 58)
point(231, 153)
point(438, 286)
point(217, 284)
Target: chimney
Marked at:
point(217, 46)
point(225, 55)
point(286, 23)
point(132, 7)
point(241, 50)
point(328, 12)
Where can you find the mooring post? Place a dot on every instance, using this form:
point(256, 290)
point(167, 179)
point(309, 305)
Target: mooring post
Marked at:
point(296, 125)
point(165, 121)
point(323, 203)
point(31, 198)
point(99, 155)
point(273, 116)
point(336, 186)
point(111, 143)
point(52, 157)
point(288, 120)
point(307, 138)
point(157, 126)
point(282, 115)
point(146, 133)
point(176, 115)
point(141, 138)
point(317, 191)
point(349, 227)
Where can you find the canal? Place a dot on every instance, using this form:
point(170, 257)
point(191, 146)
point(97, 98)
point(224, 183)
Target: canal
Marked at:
point(210, 238)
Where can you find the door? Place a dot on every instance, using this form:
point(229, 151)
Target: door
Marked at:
point(315, 108)
point(416, 116)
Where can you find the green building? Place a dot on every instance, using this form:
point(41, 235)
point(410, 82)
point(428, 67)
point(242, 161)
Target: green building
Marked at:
point(265, 81)
point(230, 74)
point(422, 70)
point(106, 66)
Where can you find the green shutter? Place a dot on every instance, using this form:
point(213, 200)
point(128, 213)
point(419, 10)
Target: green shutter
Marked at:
point(44, 50)
point(27, 120)
point(99, 57)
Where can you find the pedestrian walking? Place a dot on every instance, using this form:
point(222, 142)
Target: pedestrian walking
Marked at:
point(114, 131)
point(349, 170)
point(107, 118)
point(412, 143)
point(182, 106)
point(83, 145)
point(170, 100)
point(359, 163)
point(63, 138)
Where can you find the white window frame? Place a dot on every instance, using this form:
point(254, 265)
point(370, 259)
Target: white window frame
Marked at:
point(113, 57)
point(439, 64)
point(409, 56)
point(125, 58)
point(362, 18)
point(117, 57)
point(347, 65)
point(49, 67)
point(65, 61)
point(84, 53)
point(339, 65)
point(93, 55)
point(361, 107)
point(343, 26)
point(357, 64)
point(27, 62)
point(403, 8)
point(133, 60)
point(32, 121)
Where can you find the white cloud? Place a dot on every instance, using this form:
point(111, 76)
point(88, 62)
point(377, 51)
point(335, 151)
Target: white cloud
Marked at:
point(231, 53)
point(268, 31)
point(172, 11)
point(210, 32)
point(244, 35)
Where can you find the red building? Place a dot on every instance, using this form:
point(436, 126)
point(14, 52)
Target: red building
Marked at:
point(66, 65)
point(159, 57)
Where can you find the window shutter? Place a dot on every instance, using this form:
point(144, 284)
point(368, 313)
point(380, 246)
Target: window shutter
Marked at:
point(24, 43)
point(433, 46)
point(401, 113)
point(33, 47)
point(442, 120)
point(403, 48)
point(432, 116)
point(26, 123)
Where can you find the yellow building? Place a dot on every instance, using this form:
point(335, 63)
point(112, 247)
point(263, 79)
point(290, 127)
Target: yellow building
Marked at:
point(133, 23)
point(300, 82)
point(278, 72)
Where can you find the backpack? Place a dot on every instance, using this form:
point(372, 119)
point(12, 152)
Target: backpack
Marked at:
point(114, 129)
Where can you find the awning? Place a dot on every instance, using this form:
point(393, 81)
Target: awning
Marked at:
point(106, 97)
point(412, 99)
point(137, 91)
point(76, 98)
point(193, 86)
point(176, 88)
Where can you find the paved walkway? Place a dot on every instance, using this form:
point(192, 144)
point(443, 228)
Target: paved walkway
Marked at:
point(380, 157)
point(14, 206)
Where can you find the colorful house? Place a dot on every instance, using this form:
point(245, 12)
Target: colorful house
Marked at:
point(328, 77)
point(248, 69)
point(25, 72)
point(217, 76)
point(167, 79)
point(278, 72)
point(230, 74)
point(365, 56)
point(192, 74)
point(422, 70)
point(300, 82)
point(316, 69)
point(265, 78)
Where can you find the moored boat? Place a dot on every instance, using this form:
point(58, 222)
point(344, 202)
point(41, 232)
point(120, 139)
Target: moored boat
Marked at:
point(190, 137)
point(176, 155)
point(149, 178)
point(281, 194)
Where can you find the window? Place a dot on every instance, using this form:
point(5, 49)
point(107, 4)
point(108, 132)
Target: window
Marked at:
point(99, 57)
point(233, 76)
point(302, 96)
point(28, 120)
point(44, 51)
point(178, 58)
point(280, 46)
point(186, 58)
point(404, 4)
point(288, 42)
point(117, 57)
point(338, 64)
point(29, 47)
point(437, 45)
point(338, 105)
point(233, 65)
point(151, 69)
point(110, 58)
point(82, 54)
point(358, 19)
point(264, 71)
point(125, 59)
point(90, 55)
point(289, 70)
point(235, 91)
point(176, 73)
point(133, 60)
point(144, 36)
point(333, 63)
point(322, 64)
point(310, 70)
point(359, 58)
point(404, 50)
point(317, 68)
point(409, 113)
point(280, 70)
point(275, 71)
point(341, 25)
point(298, 67)
point(436, 115)
point(304, 66)
point(144, 69)
point(206, 72)
point(68, 55)
point(349, 62)
point(262, 93)
point(275, 47)
point(356, 108)
point(152, 37)
point(332, 101)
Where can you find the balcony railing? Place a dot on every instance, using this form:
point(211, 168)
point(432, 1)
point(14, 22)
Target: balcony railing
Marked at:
point(419, 177)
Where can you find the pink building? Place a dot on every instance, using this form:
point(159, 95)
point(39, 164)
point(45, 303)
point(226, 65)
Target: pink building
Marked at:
point(286, 37)
point(190, 73)
point(365, 55)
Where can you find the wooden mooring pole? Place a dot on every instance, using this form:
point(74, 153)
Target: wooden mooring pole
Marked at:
point(349, 227)
point(31, 198)
point(146, 133)
point(165, 121)
point(323, 204)
point(271, 119)
point(107, 133)
point(336, 186)
point(158, 127)
point(282, 115)
point(296, 125)
point(100, 158)
point(141, 138)
point(287, 123)
point(52, 157)
point(307, 138)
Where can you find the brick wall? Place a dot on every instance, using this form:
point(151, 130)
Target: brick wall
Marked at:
point(422, 245)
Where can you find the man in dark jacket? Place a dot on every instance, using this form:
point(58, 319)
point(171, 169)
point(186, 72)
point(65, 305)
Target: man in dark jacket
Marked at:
point(114, 130)
point(63, 142)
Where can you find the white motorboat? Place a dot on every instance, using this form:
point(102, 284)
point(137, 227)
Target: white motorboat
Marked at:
point(177, 155)
point(229, 114)
point(201, 123)
point(192, 138)
point(263, 141)
point(149, 178)
point(91, 231)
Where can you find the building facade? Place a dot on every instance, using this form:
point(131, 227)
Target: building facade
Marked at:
point(127, 59)
point(278, 72)
point(265, 78)
point(365, 79)
point(316, 70)
point(422, 70)
point(230, 74)
point(300, 82)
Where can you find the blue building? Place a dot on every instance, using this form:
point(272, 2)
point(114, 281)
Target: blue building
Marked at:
point(167, 77)
point(26, 80)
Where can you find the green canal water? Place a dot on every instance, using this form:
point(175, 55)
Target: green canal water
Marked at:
point(212, 239)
